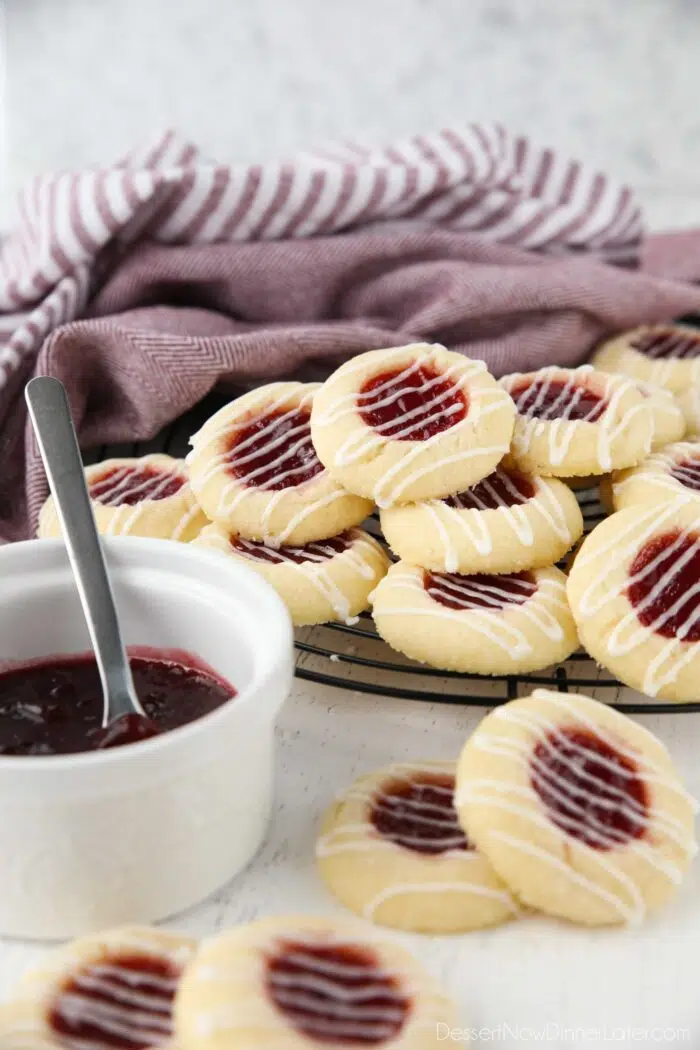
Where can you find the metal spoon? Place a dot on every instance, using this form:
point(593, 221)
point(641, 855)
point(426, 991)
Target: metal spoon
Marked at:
point(123, 720)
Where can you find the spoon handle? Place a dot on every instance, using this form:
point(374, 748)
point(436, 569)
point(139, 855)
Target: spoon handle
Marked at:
point(58, 444)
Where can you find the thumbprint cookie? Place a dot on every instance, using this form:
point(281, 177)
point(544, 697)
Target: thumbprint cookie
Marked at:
point(634, 591)
point(479, 623)
point(578, 808)
point(507, 522)
point(307, 983)
point(410, 423)
point(576, 421)
point(112, 991)
point(689, 404)
point(321, 581)
point(669, 426)
point(254, 470)
point(668, 418)
point(673, 472)
point(392, 850)
point(665, 354)
point(150, 496)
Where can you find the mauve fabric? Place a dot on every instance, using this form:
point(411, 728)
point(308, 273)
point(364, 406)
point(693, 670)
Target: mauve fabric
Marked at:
point(170, 323)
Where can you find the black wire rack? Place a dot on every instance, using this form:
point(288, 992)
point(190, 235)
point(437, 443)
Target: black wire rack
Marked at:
point(354, 657)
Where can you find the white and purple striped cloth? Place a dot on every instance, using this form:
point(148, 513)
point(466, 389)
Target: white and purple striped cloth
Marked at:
point(143, 284)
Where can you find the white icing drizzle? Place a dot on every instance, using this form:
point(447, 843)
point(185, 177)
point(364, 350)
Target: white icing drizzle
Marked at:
point(560, 432)
point(359, 556)
point(629, 634)
point(121, 485)
point(344, 1012)
point(523, 801)
point(140, 1014)
point(140, 1010)
point(126, 516)
point(661, 369)
point(368, 441)
point(475, 522)
point(362, 837)
point(656, 470)
point(689, 402)
point(237, 490)
point(667, 341)
point(540, 609)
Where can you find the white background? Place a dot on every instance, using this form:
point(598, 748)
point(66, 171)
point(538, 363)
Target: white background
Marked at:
point(616, 83)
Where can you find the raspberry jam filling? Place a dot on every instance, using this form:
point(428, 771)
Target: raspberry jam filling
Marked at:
point(274, 451)
point(549, 399)
point(122, 1002)
point(687, 471)
point(319, 551)
point(663, 587)
point(667, 342)
point(479, 591)
point(55, 707)
point(411, 404)
point(503, 488)
point(419, 814)
point(590, 790)
point(337, 994)
point(126, 486)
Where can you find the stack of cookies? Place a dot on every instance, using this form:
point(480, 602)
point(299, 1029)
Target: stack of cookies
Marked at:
point(466, 472)
point(634, 588)
point(557, 804)
point(473, 481)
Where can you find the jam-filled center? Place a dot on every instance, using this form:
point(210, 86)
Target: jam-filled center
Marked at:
point(122, 1002)
point(591, 790)
point(122, 486)
point(481, 590)
point(664, 585)
point(687, 471)
point(337, 994)
point(503, 488)
point(274, 451)
point(667, 342)
point(412, 404)
point(548, 399)
point(418, 813)
point(319, 551)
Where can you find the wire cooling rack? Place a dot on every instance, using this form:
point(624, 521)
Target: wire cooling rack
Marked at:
point(355, 658)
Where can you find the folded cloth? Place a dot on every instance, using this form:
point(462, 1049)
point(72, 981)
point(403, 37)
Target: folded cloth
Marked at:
point(144, 285)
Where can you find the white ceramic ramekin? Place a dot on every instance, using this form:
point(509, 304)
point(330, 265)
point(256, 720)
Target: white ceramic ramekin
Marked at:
point(140, 833)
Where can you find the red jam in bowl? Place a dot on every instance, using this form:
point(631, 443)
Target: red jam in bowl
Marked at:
point(54, 707)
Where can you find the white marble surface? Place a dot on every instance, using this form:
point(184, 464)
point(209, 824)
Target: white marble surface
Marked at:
point(533, 978)
point(616, 83)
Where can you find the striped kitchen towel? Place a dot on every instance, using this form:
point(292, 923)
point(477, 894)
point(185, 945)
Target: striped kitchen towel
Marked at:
point(144, 284)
